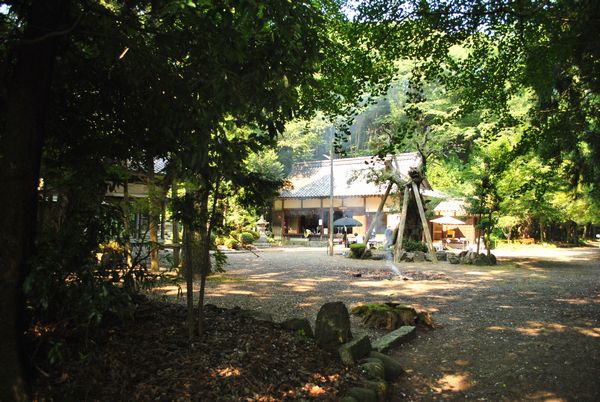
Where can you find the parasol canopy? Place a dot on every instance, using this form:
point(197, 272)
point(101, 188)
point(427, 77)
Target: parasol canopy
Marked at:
point(345, 221)
point(448, 220)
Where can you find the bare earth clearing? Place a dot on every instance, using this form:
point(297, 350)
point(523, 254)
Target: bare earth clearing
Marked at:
point(527, 329)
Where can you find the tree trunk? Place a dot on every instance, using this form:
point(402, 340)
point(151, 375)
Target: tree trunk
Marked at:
point(478, 232)
point(189, 279)
point(127, 224)
point(153, 218)
point(21, 145)
point(175, 225)
point(205, 268)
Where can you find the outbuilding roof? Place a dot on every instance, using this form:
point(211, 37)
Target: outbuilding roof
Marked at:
point(352, 177)
point(453, 206)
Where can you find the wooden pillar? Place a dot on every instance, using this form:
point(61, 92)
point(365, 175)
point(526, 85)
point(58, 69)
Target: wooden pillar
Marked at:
point(322, 220)
point(379, 209)
point(282, 220)
point(424, 222)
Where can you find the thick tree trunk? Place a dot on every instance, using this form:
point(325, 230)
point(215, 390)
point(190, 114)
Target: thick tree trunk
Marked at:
point(21, 142)
point(205, 267)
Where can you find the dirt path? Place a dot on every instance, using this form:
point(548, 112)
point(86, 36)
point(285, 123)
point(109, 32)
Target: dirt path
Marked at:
point(527, 329)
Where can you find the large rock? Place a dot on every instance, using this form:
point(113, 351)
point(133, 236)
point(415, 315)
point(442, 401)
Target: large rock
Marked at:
point(419, 256)
point(391, 366)
point(332, 328)
point(299, 324)
point(257, 315)
point(493, 260)
point(409, 257)
point(453, 258)
point(373, 369)
point(394, 338)
point(380, 388)
point(381, 319)
point(441, 255)
point(406, 315)
point(481, 260)
point(359, 310)
point(351, 352)
point(424, 318)
point(363, 394)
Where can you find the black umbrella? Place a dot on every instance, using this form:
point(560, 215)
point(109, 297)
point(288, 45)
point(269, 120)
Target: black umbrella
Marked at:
point(345, 221)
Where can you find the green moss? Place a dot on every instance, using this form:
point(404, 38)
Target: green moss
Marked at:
point(224, 279)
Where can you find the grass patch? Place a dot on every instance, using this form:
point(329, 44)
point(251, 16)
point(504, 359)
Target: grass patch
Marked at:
point(224, 279)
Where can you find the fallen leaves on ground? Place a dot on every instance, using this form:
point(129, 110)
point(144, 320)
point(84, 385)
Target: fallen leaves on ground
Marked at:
point(150, 358)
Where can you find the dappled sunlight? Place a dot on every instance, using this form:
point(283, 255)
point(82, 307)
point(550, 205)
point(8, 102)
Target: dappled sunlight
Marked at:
point(593, 332)
point(461, 362)
point(537, 328)
point(228, 371)
point(171, 290)
point(497, 328)
point(477, 273)
point(545, 396)
point(299, 287)
point(457, 382)
point(267, 275)
point(574, 301)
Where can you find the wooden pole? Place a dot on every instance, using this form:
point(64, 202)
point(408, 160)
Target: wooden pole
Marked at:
point(401, 224)
point(378, 213)
point(424, 222)
point(331, 201)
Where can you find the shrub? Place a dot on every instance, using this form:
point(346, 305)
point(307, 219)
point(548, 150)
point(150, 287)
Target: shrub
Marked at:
point(256, 235)
point(357, 250)
point(246, 238)
point(411, 245)
point(232, 244)
point(219, 241)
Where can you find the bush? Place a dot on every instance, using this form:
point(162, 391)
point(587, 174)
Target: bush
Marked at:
point(219, 241)
point(411, 245)
point(357, 250)
point(246, 237)
point(232, 244)
point(256, 235)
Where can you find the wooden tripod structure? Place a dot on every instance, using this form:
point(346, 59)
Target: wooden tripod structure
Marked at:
point(409, 186)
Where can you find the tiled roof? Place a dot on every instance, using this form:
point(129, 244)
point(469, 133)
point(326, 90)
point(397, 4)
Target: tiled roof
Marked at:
point(456, 205)
point(350, 177)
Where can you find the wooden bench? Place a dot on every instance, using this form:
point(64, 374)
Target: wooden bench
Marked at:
point(527, 240)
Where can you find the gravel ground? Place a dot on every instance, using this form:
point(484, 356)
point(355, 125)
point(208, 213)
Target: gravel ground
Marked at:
point(527, 329)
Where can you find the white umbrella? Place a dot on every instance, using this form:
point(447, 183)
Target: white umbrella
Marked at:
point(448, 220)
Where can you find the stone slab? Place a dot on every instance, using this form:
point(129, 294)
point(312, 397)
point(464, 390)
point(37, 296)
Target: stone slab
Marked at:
point(394, 338)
